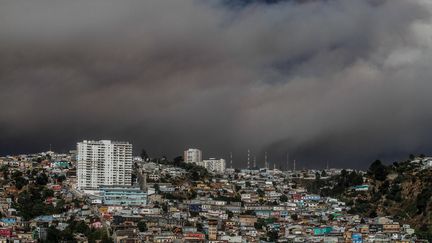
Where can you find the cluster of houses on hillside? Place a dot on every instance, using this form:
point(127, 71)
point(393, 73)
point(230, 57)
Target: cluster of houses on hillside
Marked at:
point(162, 204)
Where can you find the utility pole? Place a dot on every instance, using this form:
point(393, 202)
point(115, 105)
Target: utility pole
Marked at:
point(265, 160)
point(231, 160)
point(294, 166)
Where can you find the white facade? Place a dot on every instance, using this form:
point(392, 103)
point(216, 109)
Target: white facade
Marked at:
point(103, 162)
point(214, 165)
point(192, 156)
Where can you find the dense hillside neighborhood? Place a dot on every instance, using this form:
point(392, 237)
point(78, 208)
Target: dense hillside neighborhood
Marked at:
point(177, 201)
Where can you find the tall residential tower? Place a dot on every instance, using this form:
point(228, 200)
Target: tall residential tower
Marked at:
point(103, 163)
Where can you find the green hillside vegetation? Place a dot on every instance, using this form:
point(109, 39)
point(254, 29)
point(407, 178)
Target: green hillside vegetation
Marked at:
point(402, 190)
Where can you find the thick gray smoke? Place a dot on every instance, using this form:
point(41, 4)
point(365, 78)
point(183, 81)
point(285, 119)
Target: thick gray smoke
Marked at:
point(344, 81)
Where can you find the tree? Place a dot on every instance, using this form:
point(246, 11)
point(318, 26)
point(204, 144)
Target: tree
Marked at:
point(46, 192)
point(195, 176)
point(42, 179)
point(20, 182)
point(16, 174)
point(354, 179)
point(260, 224)
point(106, 239)
point(60, 206)
point(323, 173)
point(177, 160)
point(156, 187)
point(199, 227)
point(317, 175)
point(53, 235)
point(395, 193)
point(378, 170)
point(423, 199)
point(142, 226)
point(273, 235)
point(284, 198)
point(82, 227)
point(144, 155)
point(260, 192)
point(344, 172)
point(249, 212)
point(61, 178)
point(165, 207)
point(5, 171)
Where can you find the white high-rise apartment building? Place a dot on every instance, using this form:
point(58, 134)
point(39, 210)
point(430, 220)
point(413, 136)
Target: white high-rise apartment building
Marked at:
point(192, 156)
point(102, 163)
point(214, 165)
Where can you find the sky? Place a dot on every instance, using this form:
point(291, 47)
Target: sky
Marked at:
point(342, 82)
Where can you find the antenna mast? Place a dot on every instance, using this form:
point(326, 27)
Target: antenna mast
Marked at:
point(248, 160)
point(287, 162)
point(294, 166)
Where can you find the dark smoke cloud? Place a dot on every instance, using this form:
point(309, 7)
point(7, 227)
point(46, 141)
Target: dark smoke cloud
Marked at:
point(343, 81)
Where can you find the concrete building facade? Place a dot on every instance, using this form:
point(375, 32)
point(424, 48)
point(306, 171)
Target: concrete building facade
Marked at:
point(103, 163)
point(192, 155)
point(125, 196)
point(214, 165)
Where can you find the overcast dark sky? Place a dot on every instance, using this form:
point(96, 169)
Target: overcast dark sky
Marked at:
point(344, 81)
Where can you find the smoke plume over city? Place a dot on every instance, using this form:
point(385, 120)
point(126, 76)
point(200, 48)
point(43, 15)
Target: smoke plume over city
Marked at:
point(338, 81)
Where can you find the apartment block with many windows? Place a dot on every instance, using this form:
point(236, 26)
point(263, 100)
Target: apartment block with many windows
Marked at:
point(103, 163)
